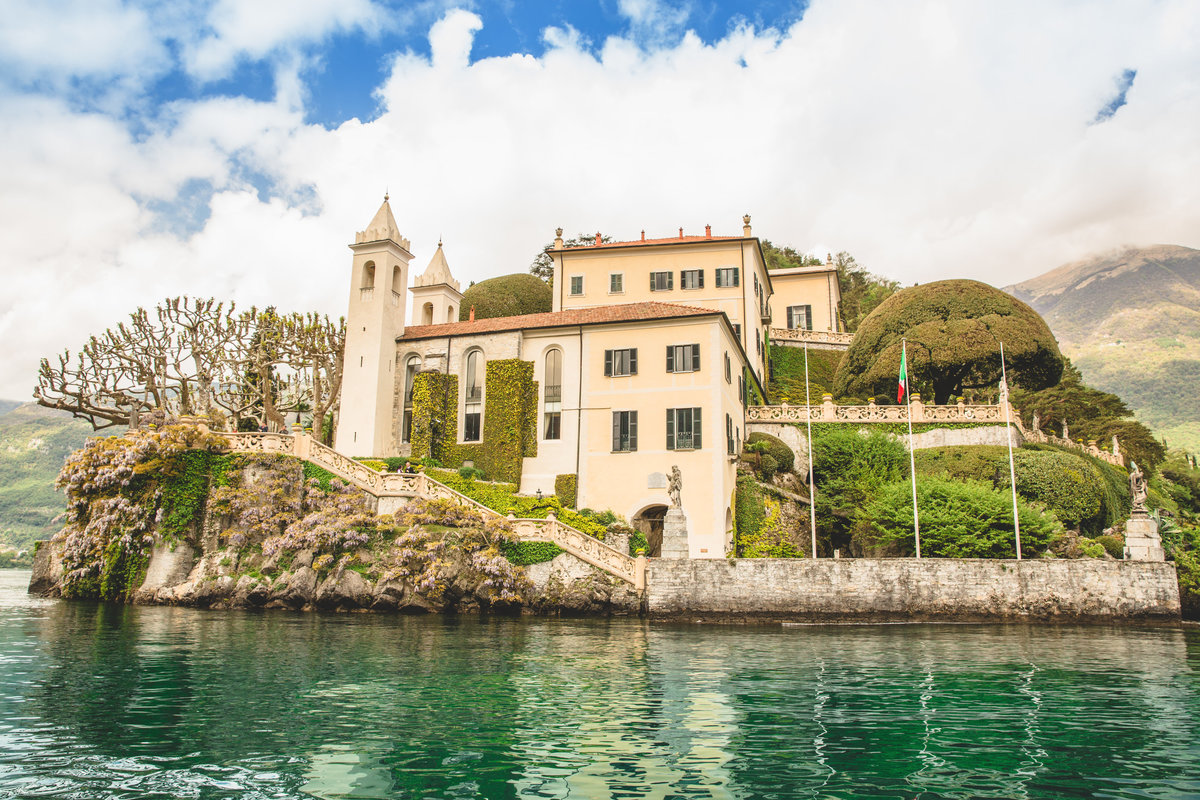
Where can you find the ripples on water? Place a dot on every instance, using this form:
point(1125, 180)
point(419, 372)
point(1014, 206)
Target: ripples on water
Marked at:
point(159, 702)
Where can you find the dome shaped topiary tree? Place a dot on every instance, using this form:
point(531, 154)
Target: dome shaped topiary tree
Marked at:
point(506, 296)
point(954, 329)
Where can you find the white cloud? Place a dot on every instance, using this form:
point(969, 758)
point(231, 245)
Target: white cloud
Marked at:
point(930, 140)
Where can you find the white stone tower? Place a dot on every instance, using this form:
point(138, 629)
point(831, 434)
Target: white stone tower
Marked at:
point(378, 279)
point(436, 295)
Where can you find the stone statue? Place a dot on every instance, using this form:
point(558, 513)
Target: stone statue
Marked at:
point(675, 486)
point(1037, 421)
point(1137, 487)
point(1066, 431)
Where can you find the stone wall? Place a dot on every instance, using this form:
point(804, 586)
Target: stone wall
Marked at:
point(909, 588)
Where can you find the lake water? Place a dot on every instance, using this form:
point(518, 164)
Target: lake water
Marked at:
point(126, 702)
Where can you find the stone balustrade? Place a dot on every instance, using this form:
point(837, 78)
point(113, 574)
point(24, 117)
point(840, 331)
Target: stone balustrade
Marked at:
point(829, 411)
point(389, 485)
point(825, 339)
point(1091, 448)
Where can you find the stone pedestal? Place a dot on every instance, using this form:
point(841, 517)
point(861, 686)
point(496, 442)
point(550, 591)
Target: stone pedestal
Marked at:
point(675, 538)
point(1142, 542)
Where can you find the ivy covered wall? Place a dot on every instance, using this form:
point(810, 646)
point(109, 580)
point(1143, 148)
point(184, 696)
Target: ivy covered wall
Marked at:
point(509, 420)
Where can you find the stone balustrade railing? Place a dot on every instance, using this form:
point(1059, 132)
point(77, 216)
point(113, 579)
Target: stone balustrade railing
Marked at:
point(829, 411)
point(395, 484)
point(1091, 448)
point(828, 338)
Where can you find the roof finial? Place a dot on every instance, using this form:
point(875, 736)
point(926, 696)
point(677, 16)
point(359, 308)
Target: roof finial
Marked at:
point(385, 194)
point(439, 241)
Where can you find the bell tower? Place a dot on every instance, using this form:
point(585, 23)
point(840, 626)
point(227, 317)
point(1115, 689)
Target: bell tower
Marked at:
point(436, 295)
point(378, 280)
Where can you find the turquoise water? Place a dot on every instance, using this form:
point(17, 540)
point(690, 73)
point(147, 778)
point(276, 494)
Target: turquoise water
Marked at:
point(161, 702)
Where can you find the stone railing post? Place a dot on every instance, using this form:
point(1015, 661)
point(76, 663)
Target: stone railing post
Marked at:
point(422, 485)
point(639, 573)
point(827, 407)
point(301, 445)
point(918, 408)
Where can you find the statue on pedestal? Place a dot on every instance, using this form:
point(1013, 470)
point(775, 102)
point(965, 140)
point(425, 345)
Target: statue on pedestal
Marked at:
point(675, 486)
point(1138, 489)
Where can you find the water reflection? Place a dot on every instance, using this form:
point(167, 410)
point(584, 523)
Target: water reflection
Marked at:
point(123, 702)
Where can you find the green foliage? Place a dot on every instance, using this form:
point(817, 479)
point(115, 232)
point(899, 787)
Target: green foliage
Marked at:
point(184, 492)
point(503, 498)
point(470, 472)
point(775, 448)
point(506, 296)
point(321, 476)
point(861, 291)
point(1090, 547)
point(850, 467)
point(1187, 568)
point(748, 513)
point(1091, 414)
point(509, 418)
point(953, 329)
point(566, 488)
point(638, 544)
point(958, 520)
point(786, 381)
point(526, 553)
point(122, 572)
point(377, 464)
point(1113, 545)
point(785, 257)
point(769, 537)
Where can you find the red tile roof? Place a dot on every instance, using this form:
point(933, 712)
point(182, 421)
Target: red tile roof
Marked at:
point(667, 240)
point(630, 312)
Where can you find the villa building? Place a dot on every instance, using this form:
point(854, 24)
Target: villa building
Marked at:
point(647, 360)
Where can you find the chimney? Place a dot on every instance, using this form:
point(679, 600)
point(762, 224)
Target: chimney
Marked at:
point(746, 225)
point(643, 234)
point(708, 231)
point(597, 237)
point(472, 319)
point(558, 240)
point(681, 233)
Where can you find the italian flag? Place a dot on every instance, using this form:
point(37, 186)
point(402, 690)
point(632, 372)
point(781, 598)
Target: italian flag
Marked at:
point(903, 377)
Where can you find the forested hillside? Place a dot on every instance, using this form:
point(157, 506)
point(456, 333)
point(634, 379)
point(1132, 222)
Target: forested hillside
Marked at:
point(1130, 321)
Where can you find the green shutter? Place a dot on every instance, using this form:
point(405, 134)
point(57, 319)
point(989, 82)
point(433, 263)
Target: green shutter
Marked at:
point(695, 358)
point(670, 358)
point(608, 363)
point(696, 428)
point(632, 430)
point(633, 361)
point(670, 429)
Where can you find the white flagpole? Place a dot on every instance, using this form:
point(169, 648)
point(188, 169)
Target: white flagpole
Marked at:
point(812, 488)
point(1012, 471)
point(912, 462)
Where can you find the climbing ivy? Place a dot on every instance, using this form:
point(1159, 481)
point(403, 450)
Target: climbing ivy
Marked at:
point(525, 553)
point(184, 492)
point(566, 488)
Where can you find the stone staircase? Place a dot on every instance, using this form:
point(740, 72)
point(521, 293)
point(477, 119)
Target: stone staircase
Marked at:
point(392, 489)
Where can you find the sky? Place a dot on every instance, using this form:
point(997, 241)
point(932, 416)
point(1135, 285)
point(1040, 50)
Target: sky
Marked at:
point(231, 148)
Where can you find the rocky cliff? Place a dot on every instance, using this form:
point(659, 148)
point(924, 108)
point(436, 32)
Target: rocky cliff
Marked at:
point(163, 517)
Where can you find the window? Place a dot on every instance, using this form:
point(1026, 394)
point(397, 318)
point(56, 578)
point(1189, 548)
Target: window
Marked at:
point(624, 431)
point(552, 380)
point(616, 283)
point(727, 276)
point(683, 429)
point(411, 367)
point(473, 397)
point(756, 287)
point(683, 358)
point(691, 279)
point(742, 388)
point(799, 318)
point(576, 284)
point(737, 330)
point(729, 435)
point(758, 345)
point(728, 372)
point(662, 281)
point(620, 362)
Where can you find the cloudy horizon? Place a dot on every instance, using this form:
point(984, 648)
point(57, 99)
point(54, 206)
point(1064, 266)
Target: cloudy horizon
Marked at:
point(232, 149)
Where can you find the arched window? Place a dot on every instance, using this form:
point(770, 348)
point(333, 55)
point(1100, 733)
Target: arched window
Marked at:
point(411, 367)
point(368, 275)
point(450, 314)
point(472, 396)
point(427, 314)
point(397, 280)
point(552, 380)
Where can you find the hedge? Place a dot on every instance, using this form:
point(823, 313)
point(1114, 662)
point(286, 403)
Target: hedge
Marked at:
point(776, 449)
point(526, 553)
point(566, 489)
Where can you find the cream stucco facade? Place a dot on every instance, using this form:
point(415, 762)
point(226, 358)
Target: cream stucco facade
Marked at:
point(635, 374)
point(806, 297)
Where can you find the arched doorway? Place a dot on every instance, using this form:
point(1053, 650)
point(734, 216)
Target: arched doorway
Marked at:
point(650, 522)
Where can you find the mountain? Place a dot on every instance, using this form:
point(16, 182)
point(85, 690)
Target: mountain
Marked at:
point(33, 443)
point(8, 405)
point(1130, 320)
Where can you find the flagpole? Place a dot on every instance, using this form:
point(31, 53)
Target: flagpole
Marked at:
point(1012, 470)
point(812, 488)
point(912, 462)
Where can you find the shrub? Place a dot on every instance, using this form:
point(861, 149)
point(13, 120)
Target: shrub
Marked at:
point(958, 520)
point(506, 296)
point(1066, 484)
point(850, 468)
point(775, 447)
point(566, 489)
point(1187, 568)
point(1114, 545)
point(1090, 547)
point(377, 464)
point(768, 466)
point(470, 472)
point(526, 553)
